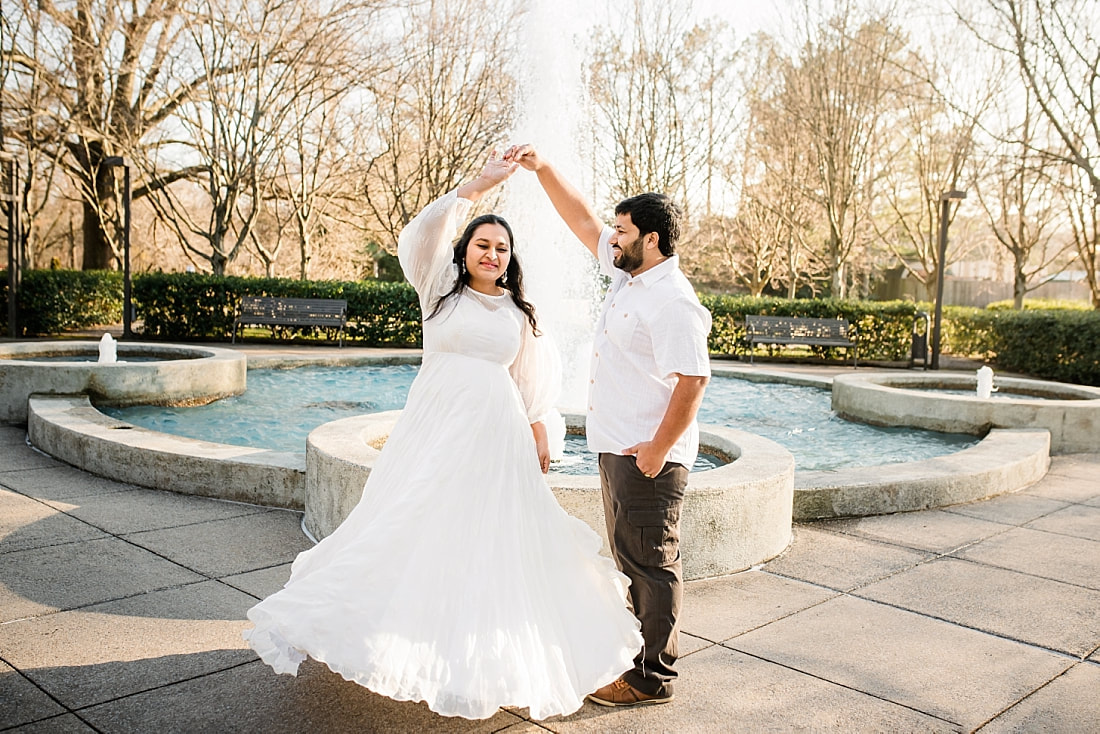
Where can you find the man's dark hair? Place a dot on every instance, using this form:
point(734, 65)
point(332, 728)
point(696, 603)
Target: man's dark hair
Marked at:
point(655, 213)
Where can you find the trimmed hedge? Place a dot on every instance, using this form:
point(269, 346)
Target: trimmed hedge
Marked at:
point(1059, 345)
point(885, 328)
point(195, 306)
point(1055, 345)
point(53, 301)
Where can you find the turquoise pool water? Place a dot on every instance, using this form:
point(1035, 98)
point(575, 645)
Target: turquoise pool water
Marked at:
point(281, 407)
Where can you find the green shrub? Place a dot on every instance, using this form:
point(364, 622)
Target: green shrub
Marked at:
point(1041, 304)
point(968, 332)
point(1057, 344)
point(52, 301)
point(197, 306)
point(884, 328)
point(1054, 345)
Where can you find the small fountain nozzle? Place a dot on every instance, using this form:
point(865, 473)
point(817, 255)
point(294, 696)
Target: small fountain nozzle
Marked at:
point(985, 382)
point(108, 349)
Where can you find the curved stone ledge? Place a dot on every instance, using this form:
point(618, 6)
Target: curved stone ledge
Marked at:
point(70, 429)
point(182, 375)
point(1006, 460)
point(1071, 413)
point(734, 516)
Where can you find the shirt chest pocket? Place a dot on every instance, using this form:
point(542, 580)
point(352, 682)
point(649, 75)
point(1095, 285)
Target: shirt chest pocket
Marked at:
point(623, 328)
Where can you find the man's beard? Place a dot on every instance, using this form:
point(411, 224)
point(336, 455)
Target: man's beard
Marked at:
point(630, 257)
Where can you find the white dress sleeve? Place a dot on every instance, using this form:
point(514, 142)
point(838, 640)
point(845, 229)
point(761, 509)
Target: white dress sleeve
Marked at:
point(536, 371)
point(425, 251)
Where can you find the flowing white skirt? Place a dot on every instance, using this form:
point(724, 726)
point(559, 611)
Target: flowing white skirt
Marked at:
point(457, 580)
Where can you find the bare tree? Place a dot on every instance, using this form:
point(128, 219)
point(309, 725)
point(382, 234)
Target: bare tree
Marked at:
point(257, 60)
point(667, 102)
point(716, 113)
point(638, 84)
point(311, 170)
point(97, 80)
point(779, 209)
point(837, 91)
point(429, 119)
point(34, 138)
point(1057, 51)
point(1084, 216)
point(931, 150)
point(1024, 212)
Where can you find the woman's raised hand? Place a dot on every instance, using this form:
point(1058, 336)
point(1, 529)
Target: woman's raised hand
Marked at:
point(495, 171)
point(525, 155)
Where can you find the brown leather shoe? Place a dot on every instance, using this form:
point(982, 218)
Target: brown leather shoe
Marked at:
point(621, 693)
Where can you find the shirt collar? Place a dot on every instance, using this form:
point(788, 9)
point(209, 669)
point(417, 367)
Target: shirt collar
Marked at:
point(658, 271)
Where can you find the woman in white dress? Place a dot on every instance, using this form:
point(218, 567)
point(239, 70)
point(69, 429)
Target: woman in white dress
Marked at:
point(458, 580)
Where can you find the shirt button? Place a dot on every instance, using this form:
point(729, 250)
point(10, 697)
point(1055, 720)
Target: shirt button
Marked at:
point(591, 382)
point(625, 315)
point(630, 284)
point(605, 331)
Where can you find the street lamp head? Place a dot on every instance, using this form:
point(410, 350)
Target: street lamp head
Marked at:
point(953, 195)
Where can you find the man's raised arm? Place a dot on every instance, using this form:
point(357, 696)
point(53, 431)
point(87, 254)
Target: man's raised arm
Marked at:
point(569, 203)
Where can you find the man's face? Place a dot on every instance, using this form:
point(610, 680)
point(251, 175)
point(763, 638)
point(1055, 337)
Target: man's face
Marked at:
point(627, 244)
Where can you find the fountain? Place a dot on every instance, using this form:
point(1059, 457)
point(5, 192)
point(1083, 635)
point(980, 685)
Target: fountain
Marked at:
point(985, 382)
point(961, 404)
point(157, 374)
point(734, 516)
point(108, 349)
point(561, 276)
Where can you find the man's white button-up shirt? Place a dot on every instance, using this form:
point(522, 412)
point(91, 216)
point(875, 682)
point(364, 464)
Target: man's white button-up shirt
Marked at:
point(652, 326)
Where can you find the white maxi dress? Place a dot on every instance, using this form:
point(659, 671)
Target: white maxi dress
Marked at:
point(458, 580)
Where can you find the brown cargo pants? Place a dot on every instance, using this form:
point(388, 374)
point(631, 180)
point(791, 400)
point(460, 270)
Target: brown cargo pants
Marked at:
point(643, 528)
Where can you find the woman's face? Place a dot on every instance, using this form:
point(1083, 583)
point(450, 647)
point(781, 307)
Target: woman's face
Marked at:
point(487, 257)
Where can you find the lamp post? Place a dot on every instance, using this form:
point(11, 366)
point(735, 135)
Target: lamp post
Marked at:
point(945, 209)
point(10, 194)
point(127, 307)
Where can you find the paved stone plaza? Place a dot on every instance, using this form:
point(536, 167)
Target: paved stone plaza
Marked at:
point(121, 610)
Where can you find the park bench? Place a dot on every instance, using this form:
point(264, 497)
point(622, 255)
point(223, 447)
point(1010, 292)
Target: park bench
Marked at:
point(796, 330)
point(327, 313)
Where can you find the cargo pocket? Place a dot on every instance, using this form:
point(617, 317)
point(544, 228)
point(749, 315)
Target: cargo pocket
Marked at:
point(658, 533)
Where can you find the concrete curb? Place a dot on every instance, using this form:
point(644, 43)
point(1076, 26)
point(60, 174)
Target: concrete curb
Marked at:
point(70, 429)
point(1004, 461)
point(1071, 413)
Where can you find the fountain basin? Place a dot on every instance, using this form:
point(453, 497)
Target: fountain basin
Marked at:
point(1006, 460)
point(734, 516)
point(720, 516)
point(69, 428)
point(1071, 413)
point(176, 375)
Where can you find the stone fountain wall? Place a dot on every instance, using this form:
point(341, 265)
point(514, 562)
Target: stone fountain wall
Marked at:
point(180, 375)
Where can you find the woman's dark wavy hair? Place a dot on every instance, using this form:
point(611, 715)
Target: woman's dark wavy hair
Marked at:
point(511, 280)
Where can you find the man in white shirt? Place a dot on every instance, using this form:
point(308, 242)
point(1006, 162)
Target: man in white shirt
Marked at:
point(650, 366)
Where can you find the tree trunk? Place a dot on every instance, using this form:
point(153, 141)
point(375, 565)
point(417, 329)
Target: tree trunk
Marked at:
point(98, 254)
point(218, 262)
point(1019, 286)
point(305, 246)
point(836, 280)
